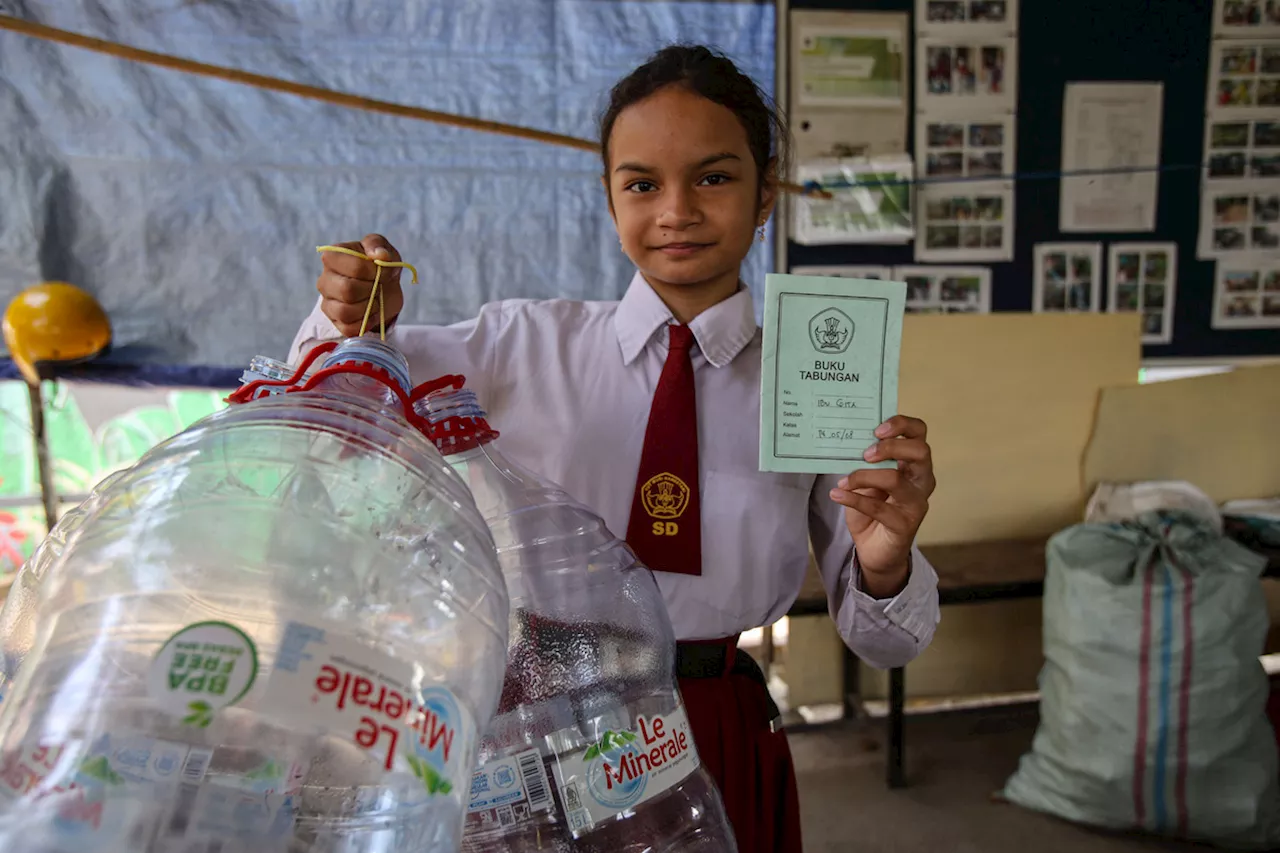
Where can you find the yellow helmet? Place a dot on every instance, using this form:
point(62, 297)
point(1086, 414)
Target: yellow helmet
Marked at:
point(54, 322)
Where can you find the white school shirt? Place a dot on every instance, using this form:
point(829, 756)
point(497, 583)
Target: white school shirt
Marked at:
point(568, 385)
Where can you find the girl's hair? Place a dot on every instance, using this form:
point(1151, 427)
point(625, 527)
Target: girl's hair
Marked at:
point(713, 76)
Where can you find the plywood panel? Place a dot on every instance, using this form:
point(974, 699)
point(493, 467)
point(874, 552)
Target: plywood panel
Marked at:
point(1220, 432)
point(1010, 401)
point(814, 671)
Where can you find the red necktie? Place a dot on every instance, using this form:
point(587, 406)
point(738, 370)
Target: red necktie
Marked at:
point(665, 529)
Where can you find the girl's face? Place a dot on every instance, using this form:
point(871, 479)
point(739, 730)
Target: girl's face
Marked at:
point(683, 188)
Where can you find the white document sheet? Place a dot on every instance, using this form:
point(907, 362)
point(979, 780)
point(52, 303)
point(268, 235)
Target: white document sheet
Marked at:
point(1111, 130)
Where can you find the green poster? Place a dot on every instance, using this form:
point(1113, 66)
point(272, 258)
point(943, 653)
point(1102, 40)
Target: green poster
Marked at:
point(846, 68)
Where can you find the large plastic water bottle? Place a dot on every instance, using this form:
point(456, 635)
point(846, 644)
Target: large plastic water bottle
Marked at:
point(279, 632)
point(18, 617)
point(591, 747)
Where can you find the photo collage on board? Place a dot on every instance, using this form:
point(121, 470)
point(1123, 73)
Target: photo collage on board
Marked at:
point(963, 70)
point(966, 11)
point(930, 289)
point(1245, 18)
point(965, 221)
point(967, 75)
point(965, 148)
point(946, 290)
point(1242, 219)
point(1067, 277)
point(1240, 192)
point(1143, 279)
point(1246, 76)
point(873, 273)
point(1247, 293)
point(965, 129)
point(1243, 149)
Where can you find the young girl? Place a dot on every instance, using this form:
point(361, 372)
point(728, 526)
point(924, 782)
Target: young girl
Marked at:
point(648, 410)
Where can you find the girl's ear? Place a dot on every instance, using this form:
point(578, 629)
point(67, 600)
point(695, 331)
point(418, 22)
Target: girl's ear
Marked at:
point(769, 189)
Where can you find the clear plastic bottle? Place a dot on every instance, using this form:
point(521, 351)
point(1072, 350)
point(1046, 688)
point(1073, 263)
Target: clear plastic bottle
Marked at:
point(17, 618)
point(204, 676)
point(590, 749)
point(263, 367)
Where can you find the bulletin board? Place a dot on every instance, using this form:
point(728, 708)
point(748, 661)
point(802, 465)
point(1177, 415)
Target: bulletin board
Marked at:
point(1095, 41)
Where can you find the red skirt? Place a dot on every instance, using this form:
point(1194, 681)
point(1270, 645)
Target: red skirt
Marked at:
point(731, 713)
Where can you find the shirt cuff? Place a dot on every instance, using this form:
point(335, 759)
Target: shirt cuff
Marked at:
point(911, 609)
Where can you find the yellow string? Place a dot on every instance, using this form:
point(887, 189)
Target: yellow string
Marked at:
point(377, 291)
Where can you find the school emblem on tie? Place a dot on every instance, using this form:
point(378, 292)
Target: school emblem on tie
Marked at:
point(665, 497)
point(665, 526)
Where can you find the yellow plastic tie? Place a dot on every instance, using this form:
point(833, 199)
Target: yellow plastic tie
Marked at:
point(377, 291)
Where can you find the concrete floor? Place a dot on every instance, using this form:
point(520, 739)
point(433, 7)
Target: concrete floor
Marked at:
point(954, 763)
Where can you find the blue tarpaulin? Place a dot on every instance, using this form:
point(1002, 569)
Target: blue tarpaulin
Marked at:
point(192, 207)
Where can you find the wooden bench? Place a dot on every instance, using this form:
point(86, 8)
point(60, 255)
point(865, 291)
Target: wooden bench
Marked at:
point(967, 574)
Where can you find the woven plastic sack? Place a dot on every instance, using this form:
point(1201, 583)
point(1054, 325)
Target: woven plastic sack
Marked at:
point(1152, 709)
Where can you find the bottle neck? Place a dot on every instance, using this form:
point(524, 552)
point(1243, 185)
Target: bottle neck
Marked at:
point(368, 369)
point(458, 424)
point(264, 369)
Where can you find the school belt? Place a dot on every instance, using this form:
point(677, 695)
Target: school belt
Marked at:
point(721, 658)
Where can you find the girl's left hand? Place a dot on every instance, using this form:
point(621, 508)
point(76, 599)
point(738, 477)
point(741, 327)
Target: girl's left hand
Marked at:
point(885, 506)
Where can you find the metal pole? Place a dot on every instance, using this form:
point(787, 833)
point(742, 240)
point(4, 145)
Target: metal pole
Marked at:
point(766, 650)
point(897, 727)
point(48, 492)
point(782, 58)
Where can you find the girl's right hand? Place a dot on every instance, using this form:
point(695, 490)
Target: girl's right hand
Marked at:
point(346, 284)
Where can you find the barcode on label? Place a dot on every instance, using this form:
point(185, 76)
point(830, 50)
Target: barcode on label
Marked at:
point(186, 802)
point(197, 763)
point(535, 780)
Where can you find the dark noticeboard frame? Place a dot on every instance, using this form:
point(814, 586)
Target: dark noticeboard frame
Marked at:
point(1094, 41)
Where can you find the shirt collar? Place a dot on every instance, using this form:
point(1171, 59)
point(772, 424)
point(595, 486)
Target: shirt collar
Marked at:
point(721, 331)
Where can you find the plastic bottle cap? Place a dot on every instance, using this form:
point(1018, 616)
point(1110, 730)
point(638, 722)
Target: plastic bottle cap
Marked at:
point(372, 352)
point(457, 421)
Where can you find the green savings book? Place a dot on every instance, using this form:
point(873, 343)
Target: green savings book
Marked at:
point(829, 374)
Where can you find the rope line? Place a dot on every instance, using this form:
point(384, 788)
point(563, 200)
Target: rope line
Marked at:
point(315, 93)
